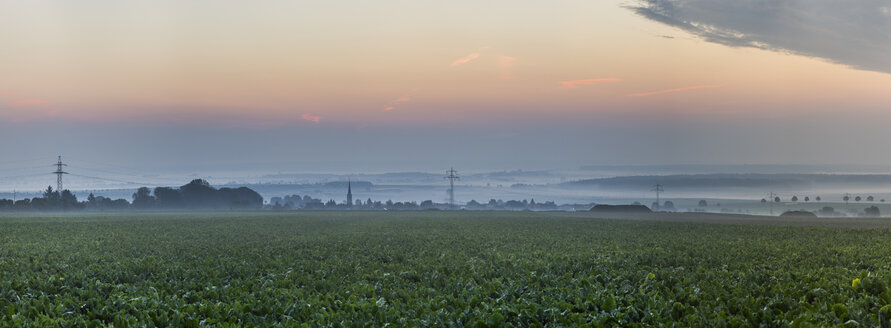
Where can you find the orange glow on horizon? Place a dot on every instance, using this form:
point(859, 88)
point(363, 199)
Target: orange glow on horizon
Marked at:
point(172, 62)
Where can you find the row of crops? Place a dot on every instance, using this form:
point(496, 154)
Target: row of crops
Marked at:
point(479, 269)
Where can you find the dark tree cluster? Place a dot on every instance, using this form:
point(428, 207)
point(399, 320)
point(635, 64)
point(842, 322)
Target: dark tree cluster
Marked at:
point(101, 203)
point(52, 200)
point(197, 194)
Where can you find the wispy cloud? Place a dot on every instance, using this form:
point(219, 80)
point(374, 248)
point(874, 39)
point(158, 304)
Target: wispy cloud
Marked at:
point(853, 33)
point(659, 92)
point(576, 83)
point(392, 104)
point(311, 118)
point(466, 59)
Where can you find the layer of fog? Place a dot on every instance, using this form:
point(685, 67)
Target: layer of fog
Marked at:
point(541, 185)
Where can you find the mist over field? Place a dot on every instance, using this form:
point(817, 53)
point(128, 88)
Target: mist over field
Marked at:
point(738, 186)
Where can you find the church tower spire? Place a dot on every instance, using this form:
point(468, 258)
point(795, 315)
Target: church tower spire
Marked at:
point(349, 193)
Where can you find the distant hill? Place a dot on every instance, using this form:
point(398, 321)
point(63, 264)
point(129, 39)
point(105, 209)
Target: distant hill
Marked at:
point(737, 169)
point(286, 188)
point(354, 184)
point(700, 181)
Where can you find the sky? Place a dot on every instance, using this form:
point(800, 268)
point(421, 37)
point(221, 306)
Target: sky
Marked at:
point(377, 86)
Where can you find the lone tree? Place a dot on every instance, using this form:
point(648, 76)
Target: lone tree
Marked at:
point(870, 198)
point(857, 198)
point(703, 203)
point(807, 199)
point(776, 199)
point(794, 198)
point(763, 200)
point(817, 198)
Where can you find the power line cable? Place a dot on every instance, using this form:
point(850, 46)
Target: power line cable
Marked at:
point(119, 167)
point(117, 170)
point(22, 168)
point(36, 160)
point(111, 180)
point(22, 176)
point(120, 174)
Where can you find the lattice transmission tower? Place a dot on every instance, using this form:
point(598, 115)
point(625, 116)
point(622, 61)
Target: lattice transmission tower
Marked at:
point(658, 189)
point(59, 172)
point(452, 175)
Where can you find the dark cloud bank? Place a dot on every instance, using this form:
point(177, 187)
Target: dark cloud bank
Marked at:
point(853, 33)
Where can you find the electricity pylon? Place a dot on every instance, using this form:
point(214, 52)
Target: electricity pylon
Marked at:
point(657, 188)
point(59, 172)
point(452, 175)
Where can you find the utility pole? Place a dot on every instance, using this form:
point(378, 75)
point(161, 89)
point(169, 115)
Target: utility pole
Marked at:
point(657, 188)
point(452, 175)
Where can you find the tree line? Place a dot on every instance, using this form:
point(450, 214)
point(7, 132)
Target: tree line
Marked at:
point(197, 194)
point(307, 202)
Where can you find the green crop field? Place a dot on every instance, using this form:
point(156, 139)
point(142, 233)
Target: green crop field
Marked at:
point(371, 269)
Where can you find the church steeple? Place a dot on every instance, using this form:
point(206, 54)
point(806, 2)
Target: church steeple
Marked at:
point(349, 193)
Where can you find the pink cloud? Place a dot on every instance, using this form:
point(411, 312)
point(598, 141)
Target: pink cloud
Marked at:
point(392, 104)
point(643, 94)
point(25, 103)
point(466, 59)
point(576, 83)
point(311, 118)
